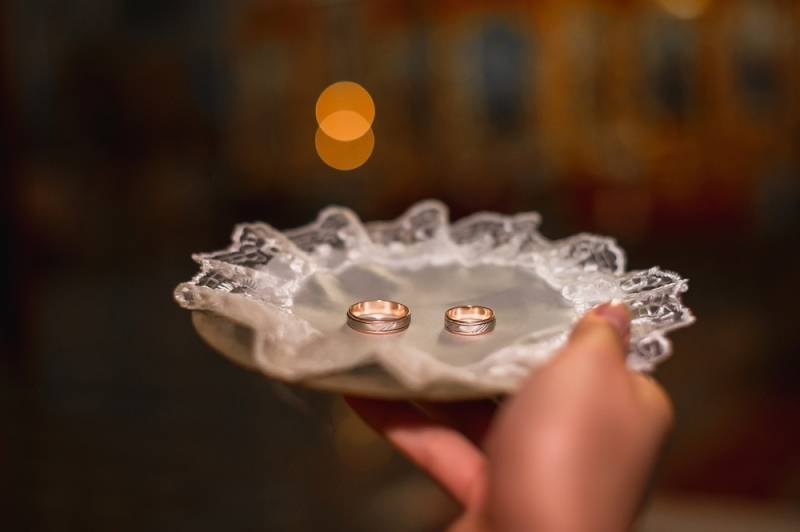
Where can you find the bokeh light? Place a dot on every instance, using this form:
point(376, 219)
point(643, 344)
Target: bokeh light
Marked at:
point(345, 126)
point(345, 112)
point(685, 8)
point(344, 155)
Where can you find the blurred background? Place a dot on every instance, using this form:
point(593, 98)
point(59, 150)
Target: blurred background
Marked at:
point(135, 132)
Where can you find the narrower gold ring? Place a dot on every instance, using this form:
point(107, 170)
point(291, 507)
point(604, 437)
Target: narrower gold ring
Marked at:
point(469, 320)
point(377, 316)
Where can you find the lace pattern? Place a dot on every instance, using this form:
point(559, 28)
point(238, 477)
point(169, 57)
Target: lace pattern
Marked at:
point(254, 281)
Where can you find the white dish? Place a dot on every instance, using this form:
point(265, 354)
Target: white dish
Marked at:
point(276, 301)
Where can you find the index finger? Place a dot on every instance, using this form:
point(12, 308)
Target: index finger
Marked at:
point(442, 452)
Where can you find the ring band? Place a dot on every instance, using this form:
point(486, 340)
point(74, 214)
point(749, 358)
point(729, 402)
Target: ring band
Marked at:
point(376, 316)
point(469, 320)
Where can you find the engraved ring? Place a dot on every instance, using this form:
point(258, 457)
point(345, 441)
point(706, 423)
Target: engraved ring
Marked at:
point(376, 316)
point(469, 320)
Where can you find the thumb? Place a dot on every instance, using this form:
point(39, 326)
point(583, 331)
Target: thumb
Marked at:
point(603, 333)
point(597, 348)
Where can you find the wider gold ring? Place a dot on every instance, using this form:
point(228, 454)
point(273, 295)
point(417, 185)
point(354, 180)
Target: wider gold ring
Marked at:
point(377, 316)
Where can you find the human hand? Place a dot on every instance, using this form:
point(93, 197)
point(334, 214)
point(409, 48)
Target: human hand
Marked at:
point(571, 451)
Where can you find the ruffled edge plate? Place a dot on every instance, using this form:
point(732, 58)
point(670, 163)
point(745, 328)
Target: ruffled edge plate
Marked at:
point(242, 292)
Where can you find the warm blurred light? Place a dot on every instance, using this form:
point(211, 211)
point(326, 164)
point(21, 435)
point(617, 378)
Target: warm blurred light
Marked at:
point(344, 155)
point(345, 111)
point(685, 8)
point(344, 125)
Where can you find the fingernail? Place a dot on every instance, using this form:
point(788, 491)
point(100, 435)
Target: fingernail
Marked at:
point(617, 314)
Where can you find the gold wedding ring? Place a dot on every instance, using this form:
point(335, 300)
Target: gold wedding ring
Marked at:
point(376, 316)
point(469, 320)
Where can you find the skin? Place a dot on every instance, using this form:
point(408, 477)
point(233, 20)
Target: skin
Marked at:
point(571, 451)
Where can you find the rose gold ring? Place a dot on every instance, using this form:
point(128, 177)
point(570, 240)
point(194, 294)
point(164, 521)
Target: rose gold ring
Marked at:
point(376, 316)
point(469, 320)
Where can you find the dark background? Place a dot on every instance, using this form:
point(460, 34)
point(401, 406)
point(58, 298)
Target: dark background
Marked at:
point(135, 132)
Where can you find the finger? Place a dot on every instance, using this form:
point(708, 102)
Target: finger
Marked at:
point(445, 454)
point(591, 362)
point(471, 418)
point(602, 334)
point(605, 332)
point(655, 400)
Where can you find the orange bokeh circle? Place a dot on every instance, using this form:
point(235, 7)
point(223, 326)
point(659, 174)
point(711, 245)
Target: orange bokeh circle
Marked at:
point(686, 9)
point(345, 111)
point(347, 155)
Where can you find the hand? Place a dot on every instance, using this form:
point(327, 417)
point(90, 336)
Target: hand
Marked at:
point(571, 451)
